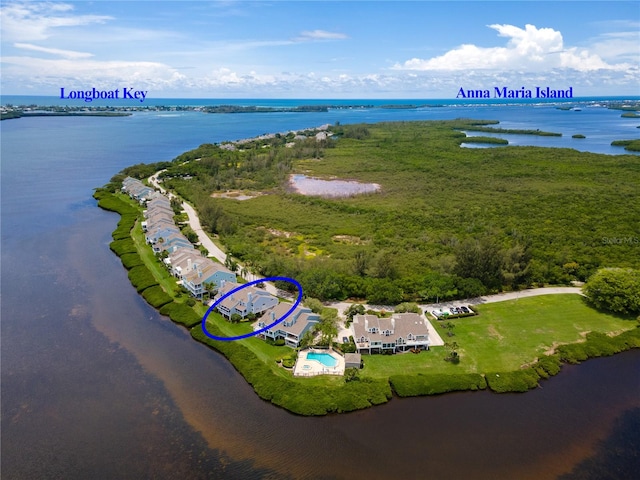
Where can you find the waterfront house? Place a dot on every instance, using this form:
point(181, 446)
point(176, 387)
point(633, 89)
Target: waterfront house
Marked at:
point(154, 234)
point(205, 271)
point(182, 259)
point(245, 301)
point(172, 242)
point(293, 328)
point(137, 190)
point(399, 333)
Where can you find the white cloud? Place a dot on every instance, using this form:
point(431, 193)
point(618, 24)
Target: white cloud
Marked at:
point(314, 35)
point(73, 73)
point(35, 21)
point(619, 45)
point(53, 51)
point(528, 49)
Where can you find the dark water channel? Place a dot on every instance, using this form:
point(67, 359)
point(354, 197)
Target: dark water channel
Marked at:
point(95, 384)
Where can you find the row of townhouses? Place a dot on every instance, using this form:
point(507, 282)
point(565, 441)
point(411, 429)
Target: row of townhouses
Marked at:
point(197, 272)
point(185, 262)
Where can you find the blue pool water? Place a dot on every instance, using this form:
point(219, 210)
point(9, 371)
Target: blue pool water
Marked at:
point(326, 359)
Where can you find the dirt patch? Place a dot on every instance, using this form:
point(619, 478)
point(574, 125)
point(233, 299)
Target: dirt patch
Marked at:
point(551, 350)
point(349, 240)
point(237, 195)
point(494, 333)
point(278, 233)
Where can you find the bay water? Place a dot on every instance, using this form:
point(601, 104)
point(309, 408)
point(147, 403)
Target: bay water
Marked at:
point(96, 384)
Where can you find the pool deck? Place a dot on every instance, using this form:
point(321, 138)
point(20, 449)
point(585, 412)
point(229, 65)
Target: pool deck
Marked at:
point(311, 368)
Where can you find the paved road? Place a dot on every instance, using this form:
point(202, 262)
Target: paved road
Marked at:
point(205, 240)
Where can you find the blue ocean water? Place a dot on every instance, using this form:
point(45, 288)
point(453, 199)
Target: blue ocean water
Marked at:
point(77, 402)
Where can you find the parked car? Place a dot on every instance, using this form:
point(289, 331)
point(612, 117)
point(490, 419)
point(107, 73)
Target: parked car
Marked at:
point(465, 309)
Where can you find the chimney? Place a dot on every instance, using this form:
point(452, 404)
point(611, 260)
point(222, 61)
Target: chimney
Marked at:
point(188, 265)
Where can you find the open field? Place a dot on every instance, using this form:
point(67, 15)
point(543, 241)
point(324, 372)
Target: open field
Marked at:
point(504, 336)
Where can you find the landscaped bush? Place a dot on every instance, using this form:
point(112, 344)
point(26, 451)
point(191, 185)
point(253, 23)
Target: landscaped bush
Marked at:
point(415, 385)
point(130, 260)
point(598, 344)
point(156, 296)
point(279, 342)
point(120, 247)
point(347, 347)
point(181, 313)
point(547, 366)
point(141, 278)
point(288, 362)
point(518, 381)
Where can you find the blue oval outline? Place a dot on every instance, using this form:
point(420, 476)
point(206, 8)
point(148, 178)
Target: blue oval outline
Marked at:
point(248, 284)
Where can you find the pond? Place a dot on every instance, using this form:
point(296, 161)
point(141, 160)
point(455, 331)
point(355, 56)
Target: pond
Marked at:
point(330, 188)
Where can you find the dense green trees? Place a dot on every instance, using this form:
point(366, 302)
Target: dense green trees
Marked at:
point(615, 289)
point(448, 223)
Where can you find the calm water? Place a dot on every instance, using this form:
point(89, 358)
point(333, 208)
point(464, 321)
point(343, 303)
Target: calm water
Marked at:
point(95, 384)
point(330, 188)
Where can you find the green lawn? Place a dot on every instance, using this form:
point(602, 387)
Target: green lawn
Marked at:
point(504, 336)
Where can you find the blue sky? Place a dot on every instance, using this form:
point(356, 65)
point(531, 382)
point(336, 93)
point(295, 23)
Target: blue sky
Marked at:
point(329, 49)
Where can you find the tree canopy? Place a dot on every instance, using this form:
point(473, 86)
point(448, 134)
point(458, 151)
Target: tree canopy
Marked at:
point(615, 289)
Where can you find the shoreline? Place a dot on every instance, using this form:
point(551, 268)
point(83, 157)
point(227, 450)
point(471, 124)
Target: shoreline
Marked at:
point(309, 400)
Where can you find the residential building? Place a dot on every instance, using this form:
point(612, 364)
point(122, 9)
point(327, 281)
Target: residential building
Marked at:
point(293, 328)
point(400, 332)
point(137, 190)
point(206, 271)
point(245, 301)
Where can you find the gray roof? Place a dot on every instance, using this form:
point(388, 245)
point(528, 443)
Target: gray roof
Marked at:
point(351, 358)
point(400, 325)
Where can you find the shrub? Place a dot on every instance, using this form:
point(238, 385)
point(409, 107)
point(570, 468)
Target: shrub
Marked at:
point(351, 375)
point(433, 384)
point(518, 381)
point(408, 307)
point(130, 260)
point(120, 247)
point(141, 278)
point(598, 344)
point(156, 296)
point(547, 366)
point(615, 289)
point(279, 342)
point(181, 313)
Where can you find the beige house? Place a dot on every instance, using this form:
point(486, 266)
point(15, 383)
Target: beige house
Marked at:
point(399, 333)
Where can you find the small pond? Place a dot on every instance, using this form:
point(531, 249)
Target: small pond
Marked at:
point(330, 188)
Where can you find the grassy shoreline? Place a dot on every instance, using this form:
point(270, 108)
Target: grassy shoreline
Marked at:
point(255, 360)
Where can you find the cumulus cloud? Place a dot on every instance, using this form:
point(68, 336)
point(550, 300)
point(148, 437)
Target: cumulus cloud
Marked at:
point(35, 21)
point(531, 49)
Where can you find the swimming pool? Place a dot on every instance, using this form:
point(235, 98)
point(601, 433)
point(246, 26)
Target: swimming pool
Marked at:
point(326, 359)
